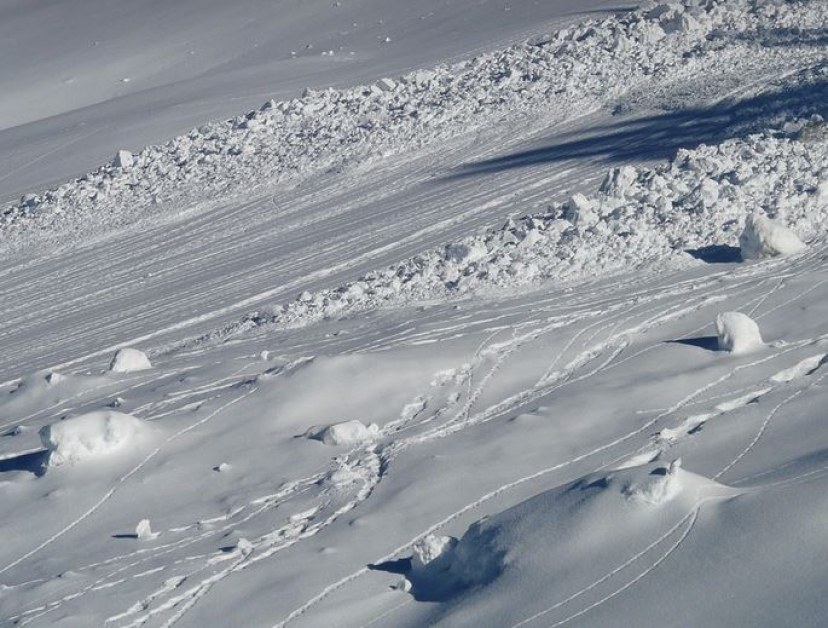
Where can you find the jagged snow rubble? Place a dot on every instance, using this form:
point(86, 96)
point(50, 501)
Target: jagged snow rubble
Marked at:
point(544, 538)
point(578, 67)
point(737, 333)
point(640, 217)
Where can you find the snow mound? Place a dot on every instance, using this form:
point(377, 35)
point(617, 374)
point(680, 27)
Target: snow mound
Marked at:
point(89, 436)
point(548, 539)
point(764, 238)
point(345, 433)
point(433, 553)
point(127, 360)
point(737, 333)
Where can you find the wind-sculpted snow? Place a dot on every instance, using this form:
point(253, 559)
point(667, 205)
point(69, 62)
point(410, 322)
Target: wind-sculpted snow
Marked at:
point(693, 206)
point(575, 69)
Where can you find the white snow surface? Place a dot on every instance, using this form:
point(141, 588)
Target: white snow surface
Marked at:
point(512, 264)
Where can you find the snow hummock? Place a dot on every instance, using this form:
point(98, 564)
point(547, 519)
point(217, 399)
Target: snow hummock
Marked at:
point(345, 433)
point(764, 238)
point(641, 217)
point(546, 538)
point(89, 436)
point(432, 552)
point(737, 333)
point(127, 360)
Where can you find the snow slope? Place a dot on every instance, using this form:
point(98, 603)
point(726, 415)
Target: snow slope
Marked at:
point(457, 421)
point(81, 81)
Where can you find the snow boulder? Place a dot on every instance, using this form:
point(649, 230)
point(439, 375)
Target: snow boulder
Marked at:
point(763, 238)
point(89, 436)
point(127, 360)
point(737, 333)
point(344, 433)
point(123, 159)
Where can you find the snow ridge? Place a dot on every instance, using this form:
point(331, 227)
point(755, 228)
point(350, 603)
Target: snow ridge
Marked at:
point(640, 217)
point(578, 67)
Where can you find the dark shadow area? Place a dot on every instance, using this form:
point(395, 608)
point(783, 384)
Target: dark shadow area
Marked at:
point(658, 137)
point(400, 566)
point(125, 536)
point(32, 462)
point(717, 254)
point(783, 37)
point(708, 343)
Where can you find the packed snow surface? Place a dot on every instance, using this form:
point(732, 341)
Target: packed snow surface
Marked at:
point(467, 334)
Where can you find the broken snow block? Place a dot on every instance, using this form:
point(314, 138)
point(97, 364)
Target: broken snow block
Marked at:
point(763, 238)
point(737, 333)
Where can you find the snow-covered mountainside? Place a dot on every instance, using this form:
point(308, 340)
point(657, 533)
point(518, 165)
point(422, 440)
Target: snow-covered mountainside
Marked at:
point(515, 317)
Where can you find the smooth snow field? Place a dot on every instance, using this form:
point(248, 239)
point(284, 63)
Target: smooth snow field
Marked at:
point(400, 314)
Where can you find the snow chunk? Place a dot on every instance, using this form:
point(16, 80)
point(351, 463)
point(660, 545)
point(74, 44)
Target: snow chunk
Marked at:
point(89, 436)
point(127, 360)
point(764, 238)
point(738, 333)
point(432, 552)
point(345, 433)
point(123, 159)
point(143, 531)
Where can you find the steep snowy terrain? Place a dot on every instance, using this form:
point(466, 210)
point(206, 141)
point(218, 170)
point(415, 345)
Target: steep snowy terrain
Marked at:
point(533, 335)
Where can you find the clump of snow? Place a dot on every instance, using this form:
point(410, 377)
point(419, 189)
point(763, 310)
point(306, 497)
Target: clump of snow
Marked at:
point(143, 531)
point(737, 333)
point(764, 238)
point(432, 552)
point(127, 360)
point(88, 436)
point(345, 433)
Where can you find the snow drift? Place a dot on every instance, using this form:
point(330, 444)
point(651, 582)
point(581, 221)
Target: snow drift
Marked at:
point(89, 436)
point(344, 433)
